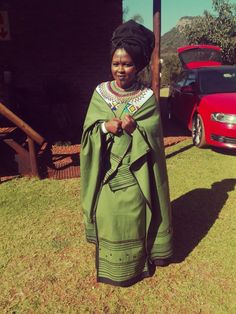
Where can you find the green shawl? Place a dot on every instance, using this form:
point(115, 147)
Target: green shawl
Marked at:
point(147, 163)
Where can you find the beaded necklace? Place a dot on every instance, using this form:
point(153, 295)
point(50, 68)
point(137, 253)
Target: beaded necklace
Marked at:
point(133, 97)
point(117, 95)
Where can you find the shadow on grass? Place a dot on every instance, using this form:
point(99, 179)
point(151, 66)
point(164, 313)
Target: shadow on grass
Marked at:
point(224, 151)
point(195, 213)
point(181, 150)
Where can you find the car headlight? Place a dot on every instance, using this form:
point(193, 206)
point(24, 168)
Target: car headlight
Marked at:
point(224, 118)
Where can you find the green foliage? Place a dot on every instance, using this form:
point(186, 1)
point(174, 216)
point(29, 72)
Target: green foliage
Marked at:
point(137, 17)
point(170, 68)
point(217, 29)
point(145, 76)
point(170, 41)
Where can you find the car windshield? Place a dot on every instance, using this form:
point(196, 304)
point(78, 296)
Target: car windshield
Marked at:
point(218, 81)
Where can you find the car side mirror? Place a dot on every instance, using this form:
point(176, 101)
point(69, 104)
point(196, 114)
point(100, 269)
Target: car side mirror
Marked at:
point(190, 89)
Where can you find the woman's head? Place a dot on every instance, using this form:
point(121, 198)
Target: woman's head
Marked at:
point(136, 40)
point(135, 53)
point(123, 68)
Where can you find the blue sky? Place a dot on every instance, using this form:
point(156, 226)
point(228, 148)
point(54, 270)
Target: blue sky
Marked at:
point(172, 10)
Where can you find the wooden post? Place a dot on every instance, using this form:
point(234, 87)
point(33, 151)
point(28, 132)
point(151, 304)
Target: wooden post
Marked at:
point(33, 159)
point(156, 52)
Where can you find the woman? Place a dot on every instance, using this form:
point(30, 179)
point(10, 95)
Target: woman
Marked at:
point(125, 194)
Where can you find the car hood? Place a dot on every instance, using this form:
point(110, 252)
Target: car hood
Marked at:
point(224, 102)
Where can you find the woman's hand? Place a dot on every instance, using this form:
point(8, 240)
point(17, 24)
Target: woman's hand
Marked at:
point(114, 126)
point(128, 124)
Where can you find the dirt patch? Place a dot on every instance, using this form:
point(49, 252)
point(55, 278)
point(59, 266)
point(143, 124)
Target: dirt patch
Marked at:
point(174, 133)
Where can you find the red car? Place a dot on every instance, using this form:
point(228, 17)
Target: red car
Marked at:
point(203, 97)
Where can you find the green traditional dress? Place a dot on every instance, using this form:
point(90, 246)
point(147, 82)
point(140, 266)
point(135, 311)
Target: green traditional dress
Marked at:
point(125, 194)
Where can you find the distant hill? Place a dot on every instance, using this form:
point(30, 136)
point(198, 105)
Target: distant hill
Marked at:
point(170, 41)
point(175, 38)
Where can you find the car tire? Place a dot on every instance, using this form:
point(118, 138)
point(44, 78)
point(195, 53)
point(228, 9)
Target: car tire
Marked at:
point(198, 132)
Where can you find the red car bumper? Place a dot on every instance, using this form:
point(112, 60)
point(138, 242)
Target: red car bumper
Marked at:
point(221, 134)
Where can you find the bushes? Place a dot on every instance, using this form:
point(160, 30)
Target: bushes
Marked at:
point(170, 68)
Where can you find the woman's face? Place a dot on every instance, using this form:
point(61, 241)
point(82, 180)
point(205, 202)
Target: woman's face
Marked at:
point(123, 68)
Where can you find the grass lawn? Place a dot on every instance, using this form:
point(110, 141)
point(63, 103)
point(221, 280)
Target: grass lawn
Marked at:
point(46, 266)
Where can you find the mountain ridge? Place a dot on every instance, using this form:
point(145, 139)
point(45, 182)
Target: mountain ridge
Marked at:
point(175, 37)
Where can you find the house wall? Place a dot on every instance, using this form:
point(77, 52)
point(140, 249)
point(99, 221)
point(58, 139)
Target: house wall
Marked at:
point(57, 54)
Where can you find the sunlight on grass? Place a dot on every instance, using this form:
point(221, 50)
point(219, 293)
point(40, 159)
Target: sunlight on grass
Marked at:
point(46, 266)
point(164, 92)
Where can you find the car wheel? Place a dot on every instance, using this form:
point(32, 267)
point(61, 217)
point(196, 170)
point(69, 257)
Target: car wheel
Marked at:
point(198, 132)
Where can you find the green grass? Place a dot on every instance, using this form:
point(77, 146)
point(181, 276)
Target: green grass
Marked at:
point(164, 92)
point(46, 266)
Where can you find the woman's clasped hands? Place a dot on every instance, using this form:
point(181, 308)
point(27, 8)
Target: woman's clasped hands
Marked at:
point(116, 126)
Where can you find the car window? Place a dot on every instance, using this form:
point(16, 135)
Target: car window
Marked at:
point(201, 54)
point(191, 79)
point(181, 79)
point(219, 80)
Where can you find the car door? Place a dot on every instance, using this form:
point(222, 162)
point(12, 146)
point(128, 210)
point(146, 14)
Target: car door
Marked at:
point(187, 99)
point(175, 95)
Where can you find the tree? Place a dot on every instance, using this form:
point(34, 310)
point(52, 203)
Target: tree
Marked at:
point(137, 17)
point(170, 68)
point(216, 29)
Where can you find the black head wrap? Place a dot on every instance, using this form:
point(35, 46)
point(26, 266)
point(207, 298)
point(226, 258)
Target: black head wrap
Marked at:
point(137, 40)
